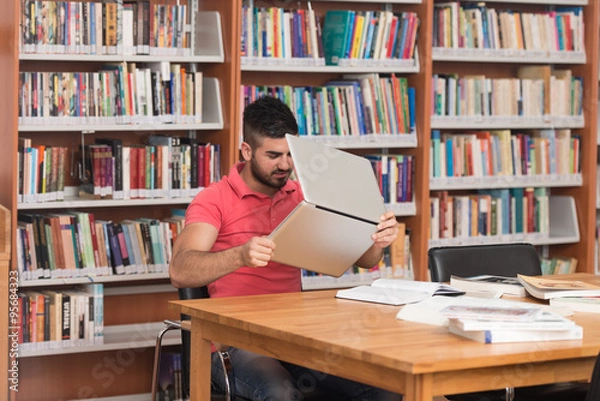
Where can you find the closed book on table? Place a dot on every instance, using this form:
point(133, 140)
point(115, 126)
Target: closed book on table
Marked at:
point(490, 283)
point(511, 336)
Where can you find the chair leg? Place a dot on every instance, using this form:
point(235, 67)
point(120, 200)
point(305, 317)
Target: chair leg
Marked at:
point(510, 393)
point(170, 325)
point(228, 370)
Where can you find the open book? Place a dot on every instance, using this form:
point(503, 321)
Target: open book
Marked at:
point(397, 292)
point(563, 285)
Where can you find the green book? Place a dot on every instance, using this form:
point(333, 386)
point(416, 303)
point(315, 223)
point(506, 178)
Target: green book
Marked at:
point(337, 29)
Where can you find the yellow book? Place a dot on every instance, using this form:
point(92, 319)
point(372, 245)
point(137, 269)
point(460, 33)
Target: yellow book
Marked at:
point(359, 24)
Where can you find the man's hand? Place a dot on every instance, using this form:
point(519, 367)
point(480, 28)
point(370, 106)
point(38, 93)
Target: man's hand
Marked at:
point(257, 252)
point(387, 230)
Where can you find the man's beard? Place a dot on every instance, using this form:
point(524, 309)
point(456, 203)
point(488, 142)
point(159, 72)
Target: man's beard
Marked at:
point(267, 178)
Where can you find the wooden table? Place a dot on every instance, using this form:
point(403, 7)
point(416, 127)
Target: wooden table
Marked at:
point(366, 343)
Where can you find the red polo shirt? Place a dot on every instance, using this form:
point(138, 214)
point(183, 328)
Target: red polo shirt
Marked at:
point(239, 214)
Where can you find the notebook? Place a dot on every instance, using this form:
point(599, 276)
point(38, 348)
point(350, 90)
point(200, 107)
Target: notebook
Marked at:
point(328, 231)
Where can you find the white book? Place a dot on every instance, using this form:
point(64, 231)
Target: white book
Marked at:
point(545, 321)
point(578, 304)
point(506, 285)
point(511, 336)
point(397, 291)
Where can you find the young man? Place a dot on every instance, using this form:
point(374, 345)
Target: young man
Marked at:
point(224, 245)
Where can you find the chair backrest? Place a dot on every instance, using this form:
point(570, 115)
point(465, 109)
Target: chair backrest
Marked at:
point(474, 260)
point(185, 294)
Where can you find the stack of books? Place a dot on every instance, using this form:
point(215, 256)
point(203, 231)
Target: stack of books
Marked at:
point(502, 324)
point(578, 291)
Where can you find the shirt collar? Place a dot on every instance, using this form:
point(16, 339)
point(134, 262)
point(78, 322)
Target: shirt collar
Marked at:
point(241, 188)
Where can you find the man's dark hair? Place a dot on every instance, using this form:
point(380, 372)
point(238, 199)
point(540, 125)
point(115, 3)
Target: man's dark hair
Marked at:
point(267, 117)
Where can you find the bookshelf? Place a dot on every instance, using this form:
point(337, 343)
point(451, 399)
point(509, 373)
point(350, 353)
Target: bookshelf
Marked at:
point(273, 71)
point(119, 368)
point(134, 305)
point(571, 196)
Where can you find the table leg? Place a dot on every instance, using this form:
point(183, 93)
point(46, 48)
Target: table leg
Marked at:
point(199, 364)
point(419, 388)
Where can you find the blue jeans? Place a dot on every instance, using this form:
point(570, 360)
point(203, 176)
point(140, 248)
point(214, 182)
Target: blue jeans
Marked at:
point(260, 378)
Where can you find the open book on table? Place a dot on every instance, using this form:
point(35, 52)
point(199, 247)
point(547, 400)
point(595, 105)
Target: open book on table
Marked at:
point(562, 285)
point(397, 291)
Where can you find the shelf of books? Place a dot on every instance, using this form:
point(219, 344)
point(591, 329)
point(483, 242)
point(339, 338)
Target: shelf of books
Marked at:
point(511, 124)
point(118, 337)
point(121, 114)
point(356, 60)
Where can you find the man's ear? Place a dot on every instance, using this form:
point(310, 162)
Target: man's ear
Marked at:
point(246, 151)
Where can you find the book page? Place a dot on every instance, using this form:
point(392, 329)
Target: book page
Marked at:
point(381, 295)
point(410, 285)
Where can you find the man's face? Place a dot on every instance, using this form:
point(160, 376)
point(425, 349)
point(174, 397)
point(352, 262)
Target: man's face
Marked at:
point(271, 163)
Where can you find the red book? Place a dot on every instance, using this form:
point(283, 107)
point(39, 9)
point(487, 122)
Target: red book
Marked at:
point(133, 172)
point(141, 171)
point(92, 224)
point(393, 35)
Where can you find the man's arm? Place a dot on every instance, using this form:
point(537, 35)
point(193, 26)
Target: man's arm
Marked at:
point(193, 265)
point(387, 231)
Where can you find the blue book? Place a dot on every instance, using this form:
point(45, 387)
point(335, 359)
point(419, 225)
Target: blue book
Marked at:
point(115, 250)
point(300, 115)
point(336, 30)
point(437, 157)
point(350, 34)
point(92, 17)
point(411, 108)
point(449, 157)
point(402, 40)
point(371, 24)
point(517, 195)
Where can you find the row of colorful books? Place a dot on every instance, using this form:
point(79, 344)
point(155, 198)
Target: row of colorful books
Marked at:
point(395, 175)
point(537, 91)
point(69, 317)
point(276, 32)
point(130, 27)
point(76, 244)
point(165, 167)
point(476, 95)
point(344, 35)
point(117, 94)
point(42, 172)
point(355, 105)
point(349, 34)
point(162, 167)
point(494, 212)
point(476, 25)
point(500, 153)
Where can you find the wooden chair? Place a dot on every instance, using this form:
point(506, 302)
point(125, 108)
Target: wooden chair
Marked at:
point(500, 260)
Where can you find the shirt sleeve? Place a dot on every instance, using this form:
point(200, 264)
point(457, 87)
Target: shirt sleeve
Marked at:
point(206, 207)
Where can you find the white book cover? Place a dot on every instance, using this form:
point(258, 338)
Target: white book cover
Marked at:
point(545, 320)
point(511, 336)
